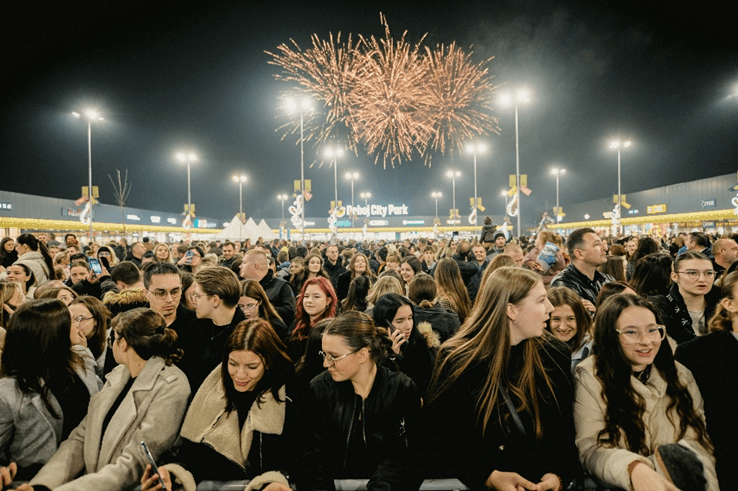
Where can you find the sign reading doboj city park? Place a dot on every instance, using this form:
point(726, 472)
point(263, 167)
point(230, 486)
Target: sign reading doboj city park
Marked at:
point(377, 210)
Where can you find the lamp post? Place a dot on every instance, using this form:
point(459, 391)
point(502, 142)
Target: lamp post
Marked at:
point(305, 105)
point(617, 144)
point(90, 116)
point(558, 173)
point(435, 195)
point(240, 179)
point(188, 157)
point(475, 148)
point(334, 153)
point(453, 175)
point(504, 195)
point(365, 195)
point(507, 100)
point(282, 198)
point(352, 176)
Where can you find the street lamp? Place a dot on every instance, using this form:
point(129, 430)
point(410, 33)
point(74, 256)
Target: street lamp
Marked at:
point(453, 175)
point(188, 157)
point(334, 153)
point(282, 198)
point(521, 97)
point(303, 105)
point(365, 196)
point(240, 180)
point(352, 176)
point(435, 195)
point(475, 148)
point(504, 195)
point(557, 172)
point(617, 144)
point(90, 116)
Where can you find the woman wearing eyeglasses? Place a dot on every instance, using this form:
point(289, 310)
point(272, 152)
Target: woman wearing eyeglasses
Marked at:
point(192, 260)
point(92, 318)
point(45, 384)
point(638, 414)
point(692, 298)
point(255, 304)
point(242, 422)
point(144, 399)
point(366, 414)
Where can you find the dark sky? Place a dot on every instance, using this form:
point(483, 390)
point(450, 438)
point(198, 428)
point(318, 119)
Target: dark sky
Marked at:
point(171, 75)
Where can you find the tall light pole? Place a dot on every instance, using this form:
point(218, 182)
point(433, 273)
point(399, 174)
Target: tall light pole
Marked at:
point(282, 198)
point(475, 148)
point(188, 158)
point(507, 100)
point(558, 173)
point(352, 176)
point(240, 179)
point(90, 116)
point(303, 105)
point(334, 153)
point(365, 195)
point(435, 195)
point(504, 195)
point(453, 175)
point(617, 144)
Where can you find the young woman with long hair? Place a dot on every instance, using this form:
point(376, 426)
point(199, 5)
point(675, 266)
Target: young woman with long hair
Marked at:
point(313, 267)
point(423, 293)
point(144, 399)
point(570, 322)
point(163, 253)
point(92, 317)
point(317, 301)
point(644, 247)
point(385, 284)
point(11, 297)
point(22, 274)
point(634, 404)
point(358, 265)
point(8, 254)
point(652, 275)
point(452, 294)
point(34, 251)
point(365, 414)
point(409, 267)
point(357, 294)
point(45, 385)
point(255, 304)
point(713, 361)
point(240, 424)
point(499, 403)
point(63, 293)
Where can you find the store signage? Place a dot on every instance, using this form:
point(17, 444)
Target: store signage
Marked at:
point(413, 222)
point(173, 221)
point(133, 217)
point(653, 209)
point(377, 210)
point(155, 219)
point(343, 223)
point(378, 223)
point(710, 224)
point(6, 206)
point(709, 203)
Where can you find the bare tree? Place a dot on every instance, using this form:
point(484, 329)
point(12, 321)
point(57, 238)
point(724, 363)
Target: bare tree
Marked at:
point(122, 190)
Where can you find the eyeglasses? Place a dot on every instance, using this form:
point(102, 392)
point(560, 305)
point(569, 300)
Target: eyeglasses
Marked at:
point(693, 274)
point(248, 306)
point(194, 296)
point(633, 336)
point(80, 319)
point(162, 294)
point(112, 339)
point(333, 359)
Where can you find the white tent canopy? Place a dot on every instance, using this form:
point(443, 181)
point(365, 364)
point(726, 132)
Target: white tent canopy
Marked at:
point(265, 231)
point(235, 231)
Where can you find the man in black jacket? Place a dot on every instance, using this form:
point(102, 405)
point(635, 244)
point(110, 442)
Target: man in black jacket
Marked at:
point(333, 264)
point(255, 266)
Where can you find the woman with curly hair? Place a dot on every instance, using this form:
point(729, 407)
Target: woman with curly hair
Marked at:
point(452, 294)
point(499, 403)
point(316, 302)
point(638, 413)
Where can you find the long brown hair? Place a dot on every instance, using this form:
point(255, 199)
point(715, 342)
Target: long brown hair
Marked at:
point(252, 289)
point(451, 285)
point(101, 315)
point(625, 406)
point(560, 295)
point(485, 337)
point(723, 318)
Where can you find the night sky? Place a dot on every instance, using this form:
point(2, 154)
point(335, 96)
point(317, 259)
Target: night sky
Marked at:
point(194, 75)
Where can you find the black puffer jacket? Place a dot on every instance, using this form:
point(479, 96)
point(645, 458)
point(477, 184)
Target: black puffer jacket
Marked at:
point(362, 438)
point(444, 322)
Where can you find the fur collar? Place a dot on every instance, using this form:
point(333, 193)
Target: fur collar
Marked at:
point(208, 422)
point(431, 338)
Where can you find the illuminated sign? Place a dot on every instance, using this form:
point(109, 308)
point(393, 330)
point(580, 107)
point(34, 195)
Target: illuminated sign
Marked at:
point(155, 219)
point(133, 217)
point(377, 210)
point(413, 222)
point(653, 209)
point(173, 221)
point(378, 223)
point(708, 203)
point(6, 206)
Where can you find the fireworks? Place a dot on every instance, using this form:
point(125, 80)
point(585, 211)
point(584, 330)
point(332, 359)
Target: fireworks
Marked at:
point(390, 98)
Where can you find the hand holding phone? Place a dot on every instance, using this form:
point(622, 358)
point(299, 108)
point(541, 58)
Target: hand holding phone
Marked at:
point(188, 257)
point(152, 463)
point(95, 266)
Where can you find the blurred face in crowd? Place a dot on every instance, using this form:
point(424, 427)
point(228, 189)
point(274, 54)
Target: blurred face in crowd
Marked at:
point(480, 253)
point(500, 242)
point(9, 246)
point(18, 275)
point(632, 245)
point(403, 320)
point(407, 272)
point(249, 306)
point(161, 252)
point(315, 265)
point(331, 252)
point(65, 296)
point(82, 319)
point(228, 251)
point(360, 265)
point(392, 263)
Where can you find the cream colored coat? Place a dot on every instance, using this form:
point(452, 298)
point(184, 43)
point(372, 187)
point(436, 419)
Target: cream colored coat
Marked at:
point(610, 465)
point(152, 411)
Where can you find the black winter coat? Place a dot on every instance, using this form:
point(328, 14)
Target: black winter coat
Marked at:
point(388, 419)
point(444, 322)
point(675, 316)
point(281, 296)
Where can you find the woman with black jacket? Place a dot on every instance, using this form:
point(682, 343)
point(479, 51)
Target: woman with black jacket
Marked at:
point(366, 414)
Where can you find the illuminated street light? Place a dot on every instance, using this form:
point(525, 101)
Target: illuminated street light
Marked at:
point(521, 97)
point(504, 195)
point(188, 157)
point(475, 148)
point(435, 195)
point(453, 175)
point(617, 144)
point(240, 179)
point(282, 198)
point(334, 153)
point(303, 105)
point(90, 116)
point(352, 176)
point(558, 173)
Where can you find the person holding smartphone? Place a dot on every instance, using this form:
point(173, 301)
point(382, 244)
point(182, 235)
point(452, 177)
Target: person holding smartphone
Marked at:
point(192, 260)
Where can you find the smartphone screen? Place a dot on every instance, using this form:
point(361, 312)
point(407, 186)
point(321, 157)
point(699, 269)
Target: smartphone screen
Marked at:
point(95, 266)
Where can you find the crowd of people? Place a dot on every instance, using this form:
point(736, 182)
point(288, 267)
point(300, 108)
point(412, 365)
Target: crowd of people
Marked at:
point(535, 363)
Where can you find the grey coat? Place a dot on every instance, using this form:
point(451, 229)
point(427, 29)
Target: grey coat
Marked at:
point(29, 434)
point(152, 411)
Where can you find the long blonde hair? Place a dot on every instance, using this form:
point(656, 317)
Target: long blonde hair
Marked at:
point(485, 337)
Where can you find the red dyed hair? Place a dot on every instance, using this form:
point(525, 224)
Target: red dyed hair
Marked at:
point(302, 327)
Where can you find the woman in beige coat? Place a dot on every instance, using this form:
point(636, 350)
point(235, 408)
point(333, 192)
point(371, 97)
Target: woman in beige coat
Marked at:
point(638, 413)
point(144, 399)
